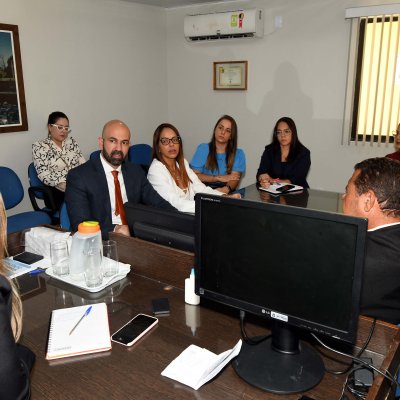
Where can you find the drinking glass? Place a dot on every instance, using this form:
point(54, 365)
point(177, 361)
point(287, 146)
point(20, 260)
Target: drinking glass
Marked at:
point(110, 258)
point(92, 268)
point(59, 257)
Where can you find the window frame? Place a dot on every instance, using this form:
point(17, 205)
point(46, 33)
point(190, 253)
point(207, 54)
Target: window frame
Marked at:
point(357, 85)
point(360, 17)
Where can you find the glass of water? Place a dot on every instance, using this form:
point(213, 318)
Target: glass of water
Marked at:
point(59, 257)
point(92, 268)
point(110, 258)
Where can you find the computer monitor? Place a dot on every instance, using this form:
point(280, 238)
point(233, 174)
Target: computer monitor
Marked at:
point(169, 228)
point(300, 268)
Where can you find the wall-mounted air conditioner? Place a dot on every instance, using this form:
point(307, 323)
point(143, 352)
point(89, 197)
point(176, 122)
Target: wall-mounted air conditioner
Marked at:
point(224, 25)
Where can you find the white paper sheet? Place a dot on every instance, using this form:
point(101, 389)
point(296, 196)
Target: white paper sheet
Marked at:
point(195, 366)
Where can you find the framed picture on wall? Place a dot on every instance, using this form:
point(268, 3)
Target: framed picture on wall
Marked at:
point(230, 75)
point(12, 95)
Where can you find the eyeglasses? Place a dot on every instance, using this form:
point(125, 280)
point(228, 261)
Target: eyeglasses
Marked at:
point(166, 141)
point(395, 133)
point(285, 132)
point(62, 128)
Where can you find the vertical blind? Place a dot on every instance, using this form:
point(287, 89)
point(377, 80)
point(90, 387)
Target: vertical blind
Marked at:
point(372, 110)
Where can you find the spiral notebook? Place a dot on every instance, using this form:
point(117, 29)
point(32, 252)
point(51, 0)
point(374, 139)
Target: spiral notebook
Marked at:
point(75, 331)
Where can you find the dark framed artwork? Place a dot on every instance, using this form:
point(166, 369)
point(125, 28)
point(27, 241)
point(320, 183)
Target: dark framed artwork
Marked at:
point(12, 94)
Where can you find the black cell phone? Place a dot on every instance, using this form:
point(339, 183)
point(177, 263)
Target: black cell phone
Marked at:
point(28, 258)
point(132, 331)
point(284, 188)
point(160, 306)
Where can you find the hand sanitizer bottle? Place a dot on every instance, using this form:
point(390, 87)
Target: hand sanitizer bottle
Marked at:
point(190, 296)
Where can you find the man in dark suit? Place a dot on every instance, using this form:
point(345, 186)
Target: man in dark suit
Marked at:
point(373, 192)
point(90, 193)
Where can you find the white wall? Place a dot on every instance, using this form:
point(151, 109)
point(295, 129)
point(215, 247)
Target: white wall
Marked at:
point(298, 71)
point(95, 60)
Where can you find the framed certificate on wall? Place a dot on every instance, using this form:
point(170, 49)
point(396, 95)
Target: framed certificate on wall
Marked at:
point(230, 75)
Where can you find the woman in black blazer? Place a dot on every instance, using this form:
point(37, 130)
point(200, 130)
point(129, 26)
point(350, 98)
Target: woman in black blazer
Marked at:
point(285, 159)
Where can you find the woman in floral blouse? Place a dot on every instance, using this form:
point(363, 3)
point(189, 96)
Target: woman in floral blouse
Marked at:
point(54, 156)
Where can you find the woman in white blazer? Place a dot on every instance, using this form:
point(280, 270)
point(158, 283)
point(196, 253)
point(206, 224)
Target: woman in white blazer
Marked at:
point(170, 174)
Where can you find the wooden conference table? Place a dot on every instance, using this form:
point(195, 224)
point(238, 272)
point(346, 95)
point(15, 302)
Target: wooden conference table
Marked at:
point(134, 373)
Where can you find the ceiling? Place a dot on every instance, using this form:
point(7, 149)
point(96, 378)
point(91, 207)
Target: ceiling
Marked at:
point(177, 3)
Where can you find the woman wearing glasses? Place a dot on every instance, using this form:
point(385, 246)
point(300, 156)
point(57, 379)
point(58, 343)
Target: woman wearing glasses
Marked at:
point(396, 154)
point(170, 174)
point(54, 156)
point(16, 360)
point(220, 163)
point(285, 159)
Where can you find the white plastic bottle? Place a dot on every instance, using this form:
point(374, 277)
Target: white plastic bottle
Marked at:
point(192, 316)
point(88, 236)
point(190, 296)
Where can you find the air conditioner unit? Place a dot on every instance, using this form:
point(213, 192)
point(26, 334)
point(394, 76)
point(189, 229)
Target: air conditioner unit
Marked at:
point(224, 25)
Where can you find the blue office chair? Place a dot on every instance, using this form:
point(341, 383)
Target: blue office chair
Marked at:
point(140, 154)
point(398, 388)
point(12, 191)
point(94, 154)
point(64, 218)
point(39, 191)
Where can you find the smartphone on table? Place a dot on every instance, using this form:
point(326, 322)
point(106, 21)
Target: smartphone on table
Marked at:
point(132, 331)
point(28, 258)
point(284, 188)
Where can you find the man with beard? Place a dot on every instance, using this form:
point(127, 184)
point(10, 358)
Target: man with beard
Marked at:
point(93, 188)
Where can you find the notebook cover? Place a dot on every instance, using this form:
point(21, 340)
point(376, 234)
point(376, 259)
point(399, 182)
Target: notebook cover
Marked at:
point(92, 334)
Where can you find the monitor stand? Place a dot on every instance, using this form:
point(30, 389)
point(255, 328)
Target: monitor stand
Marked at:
point(280, 364)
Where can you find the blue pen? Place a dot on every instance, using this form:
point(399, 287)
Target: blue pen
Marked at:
point(35, 272)
point(80, 319)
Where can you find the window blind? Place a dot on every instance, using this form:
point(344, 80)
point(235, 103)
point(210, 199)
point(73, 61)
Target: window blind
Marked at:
point(372, 108)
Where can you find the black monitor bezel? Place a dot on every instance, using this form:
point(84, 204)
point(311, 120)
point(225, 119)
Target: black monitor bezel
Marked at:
point(348, 335)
